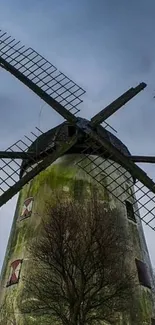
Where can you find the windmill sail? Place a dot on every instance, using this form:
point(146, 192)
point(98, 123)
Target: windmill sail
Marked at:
point(40, 75)
point(11, 181)
point(116, 104)
point(144, 199)
point(112, 173)
point(10, 162)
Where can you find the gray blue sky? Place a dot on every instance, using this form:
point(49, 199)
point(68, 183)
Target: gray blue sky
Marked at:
point(106, 46)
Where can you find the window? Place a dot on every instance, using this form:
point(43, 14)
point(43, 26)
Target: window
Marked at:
point(130, 211)
point(14, 272)
point(71, 130)
point(143, 273)
point(27, 208)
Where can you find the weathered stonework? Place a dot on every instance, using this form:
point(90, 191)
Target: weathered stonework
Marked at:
point(66, 177)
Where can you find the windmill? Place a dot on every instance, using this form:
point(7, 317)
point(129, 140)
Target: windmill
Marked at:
point(103, 157)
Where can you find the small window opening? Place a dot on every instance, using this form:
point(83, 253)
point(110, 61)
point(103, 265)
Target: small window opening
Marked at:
point(27, 209)
point(143, 274)
point(130, 211)
point(71, 130)
point(15, 269)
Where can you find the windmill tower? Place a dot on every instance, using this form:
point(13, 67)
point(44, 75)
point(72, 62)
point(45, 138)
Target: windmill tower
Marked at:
point(69, 158)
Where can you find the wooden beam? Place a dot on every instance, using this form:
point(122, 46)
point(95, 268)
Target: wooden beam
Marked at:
point(116, 104)
point(143, 159)
point(17, 155)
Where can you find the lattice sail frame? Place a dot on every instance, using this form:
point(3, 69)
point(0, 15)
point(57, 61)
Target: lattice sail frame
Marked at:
point(41, 72)
point(10, 168)
point(111, 175)
point(11, 180)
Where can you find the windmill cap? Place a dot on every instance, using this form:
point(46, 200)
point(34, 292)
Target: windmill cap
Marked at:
point(61, 133)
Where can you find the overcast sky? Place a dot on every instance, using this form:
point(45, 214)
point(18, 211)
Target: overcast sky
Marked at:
point(106, 46)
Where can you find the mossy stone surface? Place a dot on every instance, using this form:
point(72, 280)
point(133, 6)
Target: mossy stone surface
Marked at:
point(71, 181)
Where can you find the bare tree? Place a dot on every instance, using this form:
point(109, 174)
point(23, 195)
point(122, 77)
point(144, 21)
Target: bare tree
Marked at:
point(79, 272)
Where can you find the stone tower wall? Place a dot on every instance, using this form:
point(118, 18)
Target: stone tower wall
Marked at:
point(64, 175)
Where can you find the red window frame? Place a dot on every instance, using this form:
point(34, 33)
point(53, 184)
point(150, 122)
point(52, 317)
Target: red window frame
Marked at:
point(14, 272)
point(27, 208)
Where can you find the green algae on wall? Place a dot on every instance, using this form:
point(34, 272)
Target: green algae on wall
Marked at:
point(66, 178)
